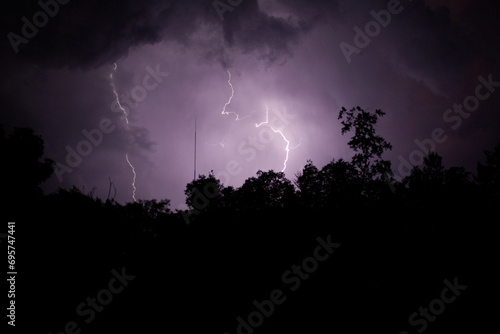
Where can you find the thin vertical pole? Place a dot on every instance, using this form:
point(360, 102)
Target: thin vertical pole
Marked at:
point(194, 176)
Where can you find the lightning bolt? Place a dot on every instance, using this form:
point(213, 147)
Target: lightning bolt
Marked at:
point(266, 123)
point(287, 147)
point(116, 94)
point(224, 112)
point(135, 175)
point(125, 116)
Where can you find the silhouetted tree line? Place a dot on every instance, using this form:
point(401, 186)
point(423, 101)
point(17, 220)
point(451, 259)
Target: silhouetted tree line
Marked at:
point(200, 269)
point(364, 183)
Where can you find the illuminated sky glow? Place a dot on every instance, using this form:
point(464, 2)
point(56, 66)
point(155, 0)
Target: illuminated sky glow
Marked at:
point(281, 54)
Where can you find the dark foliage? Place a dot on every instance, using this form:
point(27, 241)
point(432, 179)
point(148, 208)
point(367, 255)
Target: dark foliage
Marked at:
point(200, 269)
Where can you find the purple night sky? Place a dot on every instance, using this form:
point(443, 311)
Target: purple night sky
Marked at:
point(299, 60)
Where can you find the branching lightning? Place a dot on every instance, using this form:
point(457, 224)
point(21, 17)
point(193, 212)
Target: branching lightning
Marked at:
point(224, 112)
point(287, 147)
point(266, 123)
point(125, 116)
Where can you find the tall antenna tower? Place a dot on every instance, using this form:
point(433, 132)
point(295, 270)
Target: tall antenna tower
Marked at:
point(194, 175)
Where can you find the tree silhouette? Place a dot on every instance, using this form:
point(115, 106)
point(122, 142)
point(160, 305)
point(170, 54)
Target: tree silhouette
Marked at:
point(433, 186)
point(342, 184)
point(269, 190)
point(148, 213)
point(336, 185)
point(368, 146)
point(373, 171)
point(310, 186)
point(430, 176)
point(488, 175)
point(22, 169)
point(204, 194)
point(425, 184)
